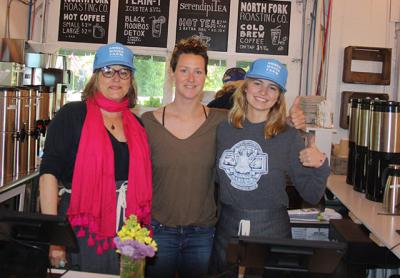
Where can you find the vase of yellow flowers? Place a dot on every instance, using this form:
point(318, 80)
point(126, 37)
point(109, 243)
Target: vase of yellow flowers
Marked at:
point(134, 244)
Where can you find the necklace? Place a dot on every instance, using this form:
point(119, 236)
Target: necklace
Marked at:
point(112, 126)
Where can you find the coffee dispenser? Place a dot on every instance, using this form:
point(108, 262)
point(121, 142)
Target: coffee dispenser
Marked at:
point(8, 110)
point(374, 189)
point(391, 182)
point(361, 150)
point(32, 138)
point(355, 112)
point(22, 124)
point(390, 143)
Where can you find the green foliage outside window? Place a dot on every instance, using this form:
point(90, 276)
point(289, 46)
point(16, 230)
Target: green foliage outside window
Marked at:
point(216, 69)
point(149, 74)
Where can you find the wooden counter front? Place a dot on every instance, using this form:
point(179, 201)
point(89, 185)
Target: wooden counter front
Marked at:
point(382, 227)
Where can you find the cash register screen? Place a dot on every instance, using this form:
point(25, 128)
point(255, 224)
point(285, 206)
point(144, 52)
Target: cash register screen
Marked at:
point(25, 239)
point(290, 254)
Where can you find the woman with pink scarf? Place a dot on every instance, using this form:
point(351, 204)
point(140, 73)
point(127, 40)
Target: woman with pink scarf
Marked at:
point(97, 159)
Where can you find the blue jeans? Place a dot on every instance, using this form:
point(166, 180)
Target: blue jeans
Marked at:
point(185, 250)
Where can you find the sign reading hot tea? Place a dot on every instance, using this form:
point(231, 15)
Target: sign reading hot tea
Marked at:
point(205, 19)
point(143, 22)
point(84, 21)
point(263, 27)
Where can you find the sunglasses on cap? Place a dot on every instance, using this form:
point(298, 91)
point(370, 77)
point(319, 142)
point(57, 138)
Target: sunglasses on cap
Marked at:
point(123, 73)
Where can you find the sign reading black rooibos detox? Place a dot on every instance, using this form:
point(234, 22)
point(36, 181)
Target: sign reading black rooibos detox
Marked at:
point(84, 21)
point(263, 27)
point(143, 22)
point(206, 19)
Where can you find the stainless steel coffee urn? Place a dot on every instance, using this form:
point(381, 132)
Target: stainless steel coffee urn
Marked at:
point(361, 150)
point(8, 111)
point(391, 181)
point(390, 143)
point(32, 138)
point(355, 112)
point(374, 189)
point(22, 131)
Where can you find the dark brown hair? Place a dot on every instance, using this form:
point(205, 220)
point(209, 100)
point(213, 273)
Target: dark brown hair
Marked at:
point(191, 45)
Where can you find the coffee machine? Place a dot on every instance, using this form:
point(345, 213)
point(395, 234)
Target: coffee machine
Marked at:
point(8, 112)
point(355, 110)
point(30, 95)
point(374, 190)
point(383, 147)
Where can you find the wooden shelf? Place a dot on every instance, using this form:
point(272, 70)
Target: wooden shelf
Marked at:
point(373, 54)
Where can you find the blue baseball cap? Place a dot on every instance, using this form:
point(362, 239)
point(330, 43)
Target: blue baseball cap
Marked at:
point(113, 54)
point(269, 69)
point(233, 74)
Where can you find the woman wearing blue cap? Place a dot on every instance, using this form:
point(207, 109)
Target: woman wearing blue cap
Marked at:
point(98, 152)
point(255, 149)
point(182, 137)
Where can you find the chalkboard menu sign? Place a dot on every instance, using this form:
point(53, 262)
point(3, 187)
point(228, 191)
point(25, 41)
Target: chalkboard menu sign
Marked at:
point(143, 23)
point(206, 19)
point(84, 21)
point(263, 27)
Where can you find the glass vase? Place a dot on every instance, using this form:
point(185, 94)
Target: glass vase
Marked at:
point(131, 268)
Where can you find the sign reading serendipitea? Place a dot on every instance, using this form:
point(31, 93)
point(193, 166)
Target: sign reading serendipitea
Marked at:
point(263, 27)
point(143, 22)
point(207, 19)
point(84, 21)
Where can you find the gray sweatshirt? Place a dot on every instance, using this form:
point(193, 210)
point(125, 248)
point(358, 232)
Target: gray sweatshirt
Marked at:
point(251, 170)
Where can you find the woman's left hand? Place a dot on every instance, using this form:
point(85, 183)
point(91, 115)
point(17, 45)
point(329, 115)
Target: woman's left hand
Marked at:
point(311, 156)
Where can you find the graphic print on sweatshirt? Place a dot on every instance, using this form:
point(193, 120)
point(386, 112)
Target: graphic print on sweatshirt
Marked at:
point(244, 164)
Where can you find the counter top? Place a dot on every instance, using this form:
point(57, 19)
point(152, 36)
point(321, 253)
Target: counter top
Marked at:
point(17, 182)
point(77, 274)
point(370, 214)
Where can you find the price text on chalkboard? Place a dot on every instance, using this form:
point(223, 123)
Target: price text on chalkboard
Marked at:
point(206, 19)
point(263, 27)
point(143, 22)
point(84, 21)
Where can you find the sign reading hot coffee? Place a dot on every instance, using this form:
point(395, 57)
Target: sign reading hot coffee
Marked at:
point(263, 27)
point(143, 22)
point(84, 21)
point(205, 19)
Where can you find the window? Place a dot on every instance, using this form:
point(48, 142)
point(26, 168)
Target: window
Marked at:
point(150, 77)
point(243, 64)
point(216, 69)
point(81, 71)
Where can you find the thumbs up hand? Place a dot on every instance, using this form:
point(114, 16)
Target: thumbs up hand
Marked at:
point(311, 156)
point(296, 118)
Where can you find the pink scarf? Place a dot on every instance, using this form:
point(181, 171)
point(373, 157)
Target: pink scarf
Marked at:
point(93, 199)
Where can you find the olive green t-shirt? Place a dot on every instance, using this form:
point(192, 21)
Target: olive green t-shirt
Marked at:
point(183, 172)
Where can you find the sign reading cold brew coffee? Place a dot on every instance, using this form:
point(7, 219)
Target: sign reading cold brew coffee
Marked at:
point(206, 19)
point(263, 27)
point(143, 23)
point(84, 21)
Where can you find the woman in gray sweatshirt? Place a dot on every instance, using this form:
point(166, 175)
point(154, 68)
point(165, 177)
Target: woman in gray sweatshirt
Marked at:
point(255, 150)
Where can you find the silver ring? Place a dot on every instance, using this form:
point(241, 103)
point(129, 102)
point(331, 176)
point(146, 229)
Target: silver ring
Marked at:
point(62, 264)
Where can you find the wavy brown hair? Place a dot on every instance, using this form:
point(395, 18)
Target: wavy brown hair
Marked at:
point(191, 45)
point(92, 87)
point(276, 119)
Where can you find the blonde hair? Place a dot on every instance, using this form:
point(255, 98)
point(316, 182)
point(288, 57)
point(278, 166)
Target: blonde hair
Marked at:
point(276, 120)
point(92, 87)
